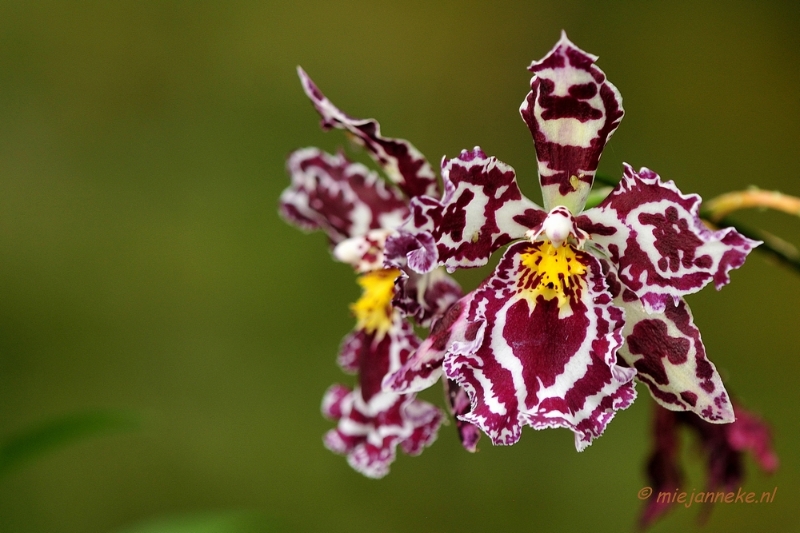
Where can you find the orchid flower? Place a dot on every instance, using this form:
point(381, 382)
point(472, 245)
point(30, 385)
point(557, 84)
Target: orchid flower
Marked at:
point(581, 302)
point(358, 210)
point(722, 446)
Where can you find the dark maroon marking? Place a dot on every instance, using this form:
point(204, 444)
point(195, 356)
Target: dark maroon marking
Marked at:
point(704, 262)
point(455, 216)
point(530, 218)
point(579, 60)
point(666, 397)
point(689, 397)
point(552, 60)
point(679, 315)
point(543, 342)
point(373, 364)
point(555, 107)
point(451, 218)
point(594, 228)
point(374, 359)
point(629, 296)
point(329, 209)
point(639, 262)
point(651, 340)
point(583, 91)
point(597, 376)
point(675, 241)
point(613, 284)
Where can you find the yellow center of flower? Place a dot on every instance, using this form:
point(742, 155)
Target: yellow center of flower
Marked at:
point(551, 272)
point(373, 310)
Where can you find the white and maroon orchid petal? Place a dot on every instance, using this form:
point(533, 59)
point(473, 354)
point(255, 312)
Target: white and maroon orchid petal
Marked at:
point(669, 357)
point(382, 355)
point(336, 401)
point(546, 359)
point(459, 405)
point(653, 234)
point(453, 331)
point(403, 163)
point(482, 210)
point(369, 431)
point(571, 111)
point(371, 422)
point(425, 420)
point(425, 296)
point(344, 199)
point(365, 253)
point(353, 345)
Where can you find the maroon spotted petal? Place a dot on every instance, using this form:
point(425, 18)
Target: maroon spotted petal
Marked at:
point(344, 199)
point(571, 111)
point(371, 423)
point(654, 236)
point(403, 163)
point(482, 210)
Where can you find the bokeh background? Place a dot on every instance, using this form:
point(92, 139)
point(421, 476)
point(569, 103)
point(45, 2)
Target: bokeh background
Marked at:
point(144, 269)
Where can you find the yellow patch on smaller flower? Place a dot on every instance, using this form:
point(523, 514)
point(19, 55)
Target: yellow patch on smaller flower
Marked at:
point(373, 310)
point(551, 272)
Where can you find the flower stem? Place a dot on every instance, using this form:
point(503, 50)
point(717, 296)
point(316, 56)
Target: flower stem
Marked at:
point(718, 208)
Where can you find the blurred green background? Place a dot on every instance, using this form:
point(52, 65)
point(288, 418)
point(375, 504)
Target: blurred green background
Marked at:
point(144, 269)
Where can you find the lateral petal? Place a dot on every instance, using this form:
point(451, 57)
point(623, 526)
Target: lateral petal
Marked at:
point(653, 234)
point(482, 210)
point(342, 198)
point(452, 332)
point(571, 111)
point(403, 163)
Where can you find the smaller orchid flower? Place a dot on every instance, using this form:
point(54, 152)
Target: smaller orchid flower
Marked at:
point(538, 342)
point(358, 211)
point(721, 446)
